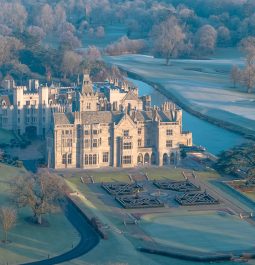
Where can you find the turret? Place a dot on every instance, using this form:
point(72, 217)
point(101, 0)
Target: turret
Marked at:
point(44, 95)
point(87, 86)
point(18, 95)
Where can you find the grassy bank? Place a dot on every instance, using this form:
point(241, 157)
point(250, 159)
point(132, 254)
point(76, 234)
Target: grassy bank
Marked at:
point(30, 242)
point(201, 87)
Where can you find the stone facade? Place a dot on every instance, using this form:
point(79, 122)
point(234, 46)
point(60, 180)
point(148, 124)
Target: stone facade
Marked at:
point(95, 125)
point(26, 110)
point(128, 134)
point(29, 109)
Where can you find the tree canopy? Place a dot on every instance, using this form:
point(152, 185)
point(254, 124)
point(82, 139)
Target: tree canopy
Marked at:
point(238, 159)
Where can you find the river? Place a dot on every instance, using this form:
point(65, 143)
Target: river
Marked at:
point(215, 139)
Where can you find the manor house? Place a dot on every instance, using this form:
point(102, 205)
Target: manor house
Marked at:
point(94, 125)
point(116, 129)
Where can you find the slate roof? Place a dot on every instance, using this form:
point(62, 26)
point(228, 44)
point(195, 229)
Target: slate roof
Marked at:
point(163, 116)
point(92, 117)
point(88, 117)
point(130, 96)
point(7, 99)
point(63, 118)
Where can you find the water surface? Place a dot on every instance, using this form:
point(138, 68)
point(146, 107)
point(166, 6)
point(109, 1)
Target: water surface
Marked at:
point(214, 138)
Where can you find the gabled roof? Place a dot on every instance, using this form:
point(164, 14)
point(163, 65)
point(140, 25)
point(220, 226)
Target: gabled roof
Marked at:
point(130, 96)
point(8, 77)
point(125, 116)
point(88, 117)
point(8, 100)
point(163, 116)
point(91, 117)
point(63, 118)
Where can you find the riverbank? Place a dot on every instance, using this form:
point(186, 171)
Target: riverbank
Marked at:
point(249, 134)
point(205, 92)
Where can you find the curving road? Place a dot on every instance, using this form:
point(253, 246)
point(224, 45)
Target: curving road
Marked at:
point(89, 238)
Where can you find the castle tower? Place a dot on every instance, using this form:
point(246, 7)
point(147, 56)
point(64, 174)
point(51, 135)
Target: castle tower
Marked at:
point(87, 98)
point(44, 112)
point(87, 86)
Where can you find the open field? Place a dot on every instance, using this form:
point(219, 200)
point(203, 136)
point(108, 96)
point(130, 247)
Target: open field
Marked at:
point(30, 242)
point(205, 232)
point(202, 85)
point(112, 34)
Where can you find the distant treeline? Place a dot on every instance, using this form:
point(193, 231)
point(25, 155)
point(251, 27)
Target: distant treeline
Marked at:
point(39, 37)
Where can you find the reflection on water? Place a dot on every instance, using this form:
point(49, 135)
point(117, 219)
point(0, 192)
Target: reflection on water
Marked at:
point(214, 138)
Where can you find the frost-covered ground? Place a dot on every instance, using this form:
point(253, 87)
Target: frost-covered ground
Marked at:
point(202, 231)
point(30, 242)
point(121, 248)
point(112, 34)
point(203, 85)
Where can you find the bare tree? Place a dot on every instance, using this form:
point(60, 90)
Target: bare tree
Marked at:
point(8, 48)
point(91, 32)
point(41, 192)
point(248, 74)
point(36, 32)
point(70, 63)
point(13, 15)
point(224, 36)
point(248, 77)
point(235, 75)
point(248, 46)
point(125, 45)
point(100, 33)
point(46, 18)
point(93, 54)
point(8, 218)
point(206, 38)
point(69, 40)
point(167, 37)
point(60, 15)
point(115, 73)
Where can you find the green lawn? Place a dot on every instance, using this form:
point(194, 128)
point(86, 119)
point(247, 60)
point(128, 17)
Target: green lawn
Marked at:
point(121, 248)
point(112, 34)
point(6, 136)
point(111, 175)
point(30, 242)
point(205, 232)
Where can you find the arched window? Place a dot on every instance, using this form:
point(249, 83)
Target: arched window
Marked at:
point(140, 159)
point(165, 159)
point(64, 159)
point(172, 158)
point(90, 159)
point(94, 159)
point(146, 158)
point(69, 158)
point(153, 159)
point(86, 161)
